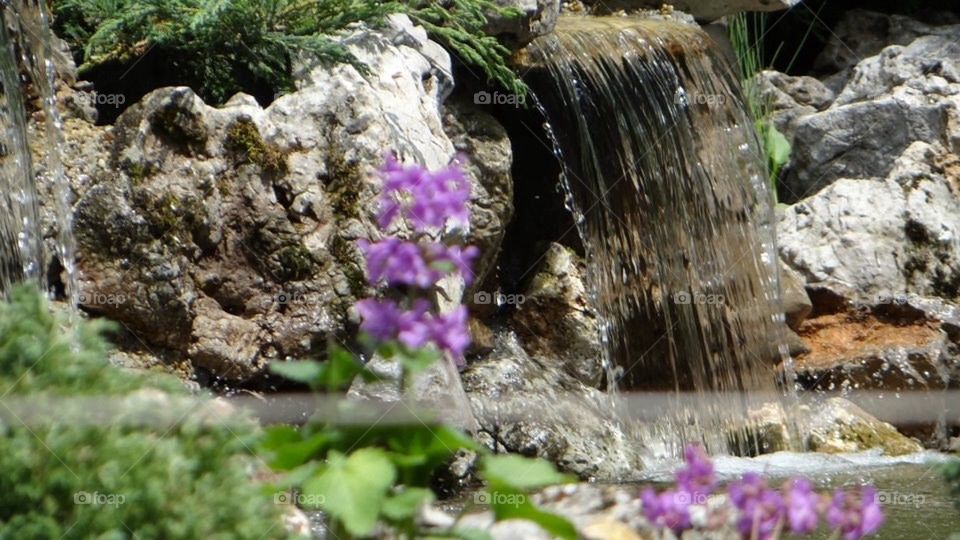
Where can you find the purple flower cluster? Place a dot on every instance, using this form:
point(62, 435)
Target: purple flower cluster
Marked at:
point(761, 512)
point(855, 516)
point(428, 201)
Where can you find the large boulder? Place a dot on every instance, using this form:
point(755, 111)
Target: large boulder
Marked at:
point(226, 236)
point(899, 235)
point(904, 87)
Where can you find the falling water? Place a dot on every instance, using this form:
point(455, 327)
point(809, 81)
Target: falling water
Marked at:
point(666, 181)
point(26, 46)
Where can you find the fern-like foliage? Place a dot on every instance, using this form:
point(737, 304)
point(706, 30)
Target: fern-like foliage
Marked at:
point(222, 46)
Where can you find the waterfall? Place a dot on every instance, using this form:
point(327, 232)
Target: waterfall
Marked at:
point(667, 183)
point(27, 53)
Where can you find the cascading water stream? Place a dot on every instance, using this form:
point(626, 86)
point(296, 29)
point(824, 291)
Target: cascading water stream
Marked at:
point(26, 46)
point(666, 180)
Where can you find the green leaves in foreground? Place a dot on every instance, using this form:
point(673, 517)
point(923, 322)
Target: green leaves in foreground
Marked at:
point(353, 489)
point(336, 373)
point(776, 146)
point(510, 477)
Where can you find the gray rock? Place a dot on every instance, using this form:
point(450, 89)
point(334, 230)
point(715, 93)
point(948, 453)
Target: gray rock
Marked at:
point(862, 33)
point(227, 235)
point(796, 301)
point(702, 10)
point(900, 84)
point(791, 98)
point(538, 17)
point(899, 235)
point(555, 322)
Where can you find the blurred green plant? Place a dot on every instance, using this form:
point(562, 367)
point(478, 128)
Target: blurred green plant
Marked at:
point(160, 469)
point(746, 31)
point(951, 474)
point(220, 47)
point(369, 474)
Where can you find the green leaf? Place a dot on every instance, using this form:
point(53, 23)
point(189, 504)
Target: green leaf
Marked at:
point(405, 504)
point(521, 473)
point(470, 533)
point(353, 489)
point(777, 147)
point(513, 504)
point(415, 361)
point(307, 371)
point(291, 453)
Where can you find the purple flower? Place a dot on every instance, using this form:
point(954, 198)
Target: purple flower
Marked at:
point(415, 328)
point(452, 334)
point(380, 318)
point(397, 262)
point(453, 259)
point(802, 505)
point(429, 200)
point(697, 476)
point(855, 517)
point(762, 510)
point(670, 509)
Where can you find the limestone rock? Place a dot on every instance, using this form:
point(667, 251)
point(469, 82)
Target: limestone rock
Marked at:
point(227, 235)
point(900, 235)
point(899, 84)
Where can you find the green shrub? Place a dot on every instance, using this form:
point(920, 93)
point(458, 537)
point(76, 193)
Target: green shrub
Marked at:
point(160, 466)
point(220, 47)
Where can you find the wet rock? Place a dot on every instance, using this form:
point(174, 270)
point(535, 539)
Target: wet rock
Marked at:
point(833, 425)
point(537, 17)
point(838, 426)
point(554, 320)
point(580, 435)
point(796, 302)
point(227, 235)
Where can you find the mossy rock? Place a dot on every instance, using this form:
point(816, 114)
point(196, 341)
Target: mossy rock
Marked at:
point(839, 426)
point(247, 146)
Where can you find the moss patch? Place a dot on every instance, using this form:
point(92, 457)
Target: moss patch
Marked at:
point(344, 182)
point(247, 146)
